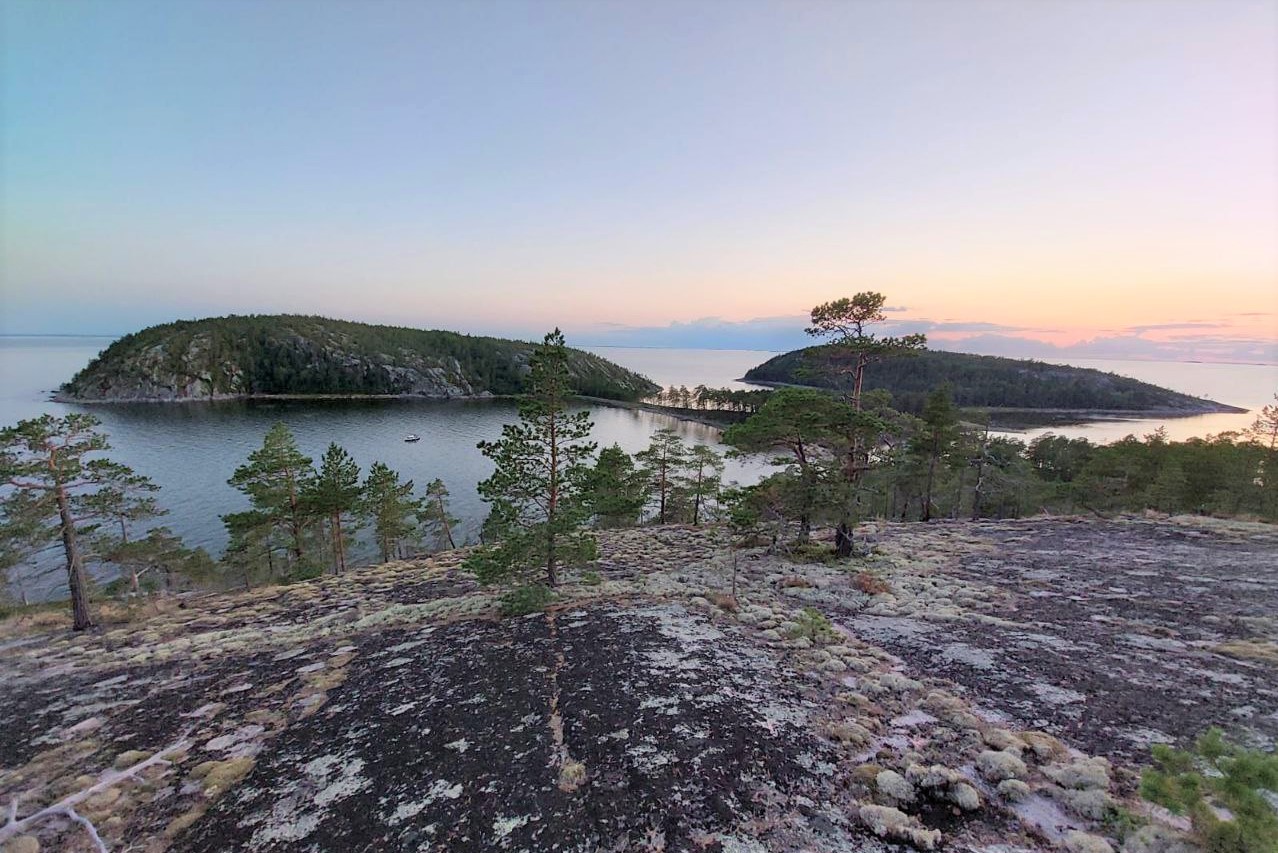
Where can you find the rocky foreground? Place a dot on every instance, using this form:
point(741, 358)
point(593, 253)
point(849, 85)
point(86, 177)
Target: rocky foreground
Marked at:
point(1000, 697)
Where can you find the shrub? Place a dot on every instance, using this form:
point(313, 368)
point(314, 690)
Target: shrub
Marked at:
point(870, 583)
point(526, 599)
point(1218, 785)
point(591, 578)
point(724, 602)
point(305, 572)
point(810, 551)
point(813, 624)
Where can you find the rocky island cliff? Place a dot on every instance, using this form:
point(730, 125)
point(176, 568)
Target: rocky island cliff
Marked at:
point(287, 355)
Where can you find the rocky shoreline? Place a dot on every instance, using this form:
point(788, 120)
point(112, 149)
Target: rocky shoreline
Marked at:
point(997, 692)
point(224, 398)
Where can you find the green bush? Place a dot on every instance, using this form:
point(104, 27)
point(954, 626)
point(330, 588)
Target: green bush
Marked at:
point(1218, 785)
point(305, 572)
point(591, 578)
point(526, 599)
point(814, 625)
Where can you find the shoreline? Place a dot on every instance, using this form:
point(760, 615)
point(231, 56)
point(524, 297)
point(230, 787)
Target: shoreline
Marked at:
point(692, 415)
point(1211, 407)
point(680, 414)
point(232, 398)
point(1049, 417)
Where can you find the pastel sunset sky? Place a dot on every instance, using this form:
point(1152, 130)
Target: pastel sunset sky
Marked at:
point(1016, 176)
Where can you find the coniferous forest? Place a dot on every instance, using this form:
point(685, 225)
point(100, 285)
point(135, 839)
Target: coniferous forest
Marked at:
point(273, 355)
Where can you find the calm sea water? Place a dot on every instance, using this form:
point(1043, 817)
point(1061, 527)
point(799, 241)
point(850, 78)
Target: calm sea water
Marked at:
point(1248, 386)
point(191, 449)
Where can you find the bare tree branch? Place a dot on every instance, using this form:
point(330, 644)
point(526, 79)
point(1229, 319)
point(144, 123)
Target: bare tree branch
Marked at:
point(66, 806)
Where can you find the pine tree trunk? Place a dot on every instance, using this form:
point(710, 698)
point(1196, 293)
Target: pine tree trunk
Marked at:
point(81, 618)
point(552, 504)
point(734, 573)
point(443, 519)
point(661, 515)
point(976, 492)
point(295, 522)
point(339, 548)
point(843, 540)
point(927, 492)
point(696, 503)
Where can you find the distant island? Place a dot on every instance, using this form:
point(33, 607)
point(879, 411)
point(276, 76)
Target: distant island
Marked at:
point(990, 382)
point(296, 356)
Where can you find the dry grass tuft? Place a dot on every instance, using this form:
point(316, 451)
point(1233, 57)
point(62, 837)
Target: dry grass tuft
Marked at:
point(1261, 650)
point(724, 602)
point(571, 776)
point(871, 584)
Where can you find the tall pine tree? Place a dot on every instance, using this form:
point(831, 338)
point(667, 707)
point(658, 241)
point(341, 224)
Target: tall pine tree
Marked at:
point(389, 504)
point(617, 493)
point(538, 491)
point(433, 514)
point(703, 478)
point(851, 347)
point(275, 478)
point(333, 494)
point(52, 469)
point(663, 464)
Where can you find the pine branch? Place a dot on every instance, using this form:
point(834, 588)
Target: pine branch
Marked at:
point(66, 806)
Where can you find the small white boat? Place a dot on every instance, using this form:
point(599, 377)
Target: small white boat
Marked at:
point(412, 436)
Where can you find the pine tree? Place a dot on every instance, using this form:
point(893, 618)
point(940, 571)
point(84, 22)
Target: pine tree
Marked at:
point(935, 442)
point(334, 494)
point(391, 507)
point(252, 542)
point(433, 514)
point(810, 425)
point(662, 464)
point(537, 492)
point(126, 502)
point(1264, 432)
point(274, 479)
point(1167, 490)
point(703, 478)
point(160, 552)
point(50, 487)
point(850, 349)
point(616, 489)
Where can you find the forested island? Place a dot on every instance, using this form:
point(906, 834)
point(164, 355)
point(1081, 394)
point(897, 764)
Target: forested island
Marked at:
point(290, 355)
point(985, 381)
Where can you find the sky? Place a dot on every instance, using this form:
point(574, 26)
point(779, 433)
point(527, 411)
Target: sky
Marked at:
point(1016, 177)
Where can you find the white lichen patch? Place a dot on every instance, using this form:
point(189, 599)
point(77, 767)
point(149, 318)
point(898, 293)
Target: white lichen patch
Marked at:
point(347, 781)
point(504, 826)
point(1054, 695)
point(439, 790)
point(663, 704)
